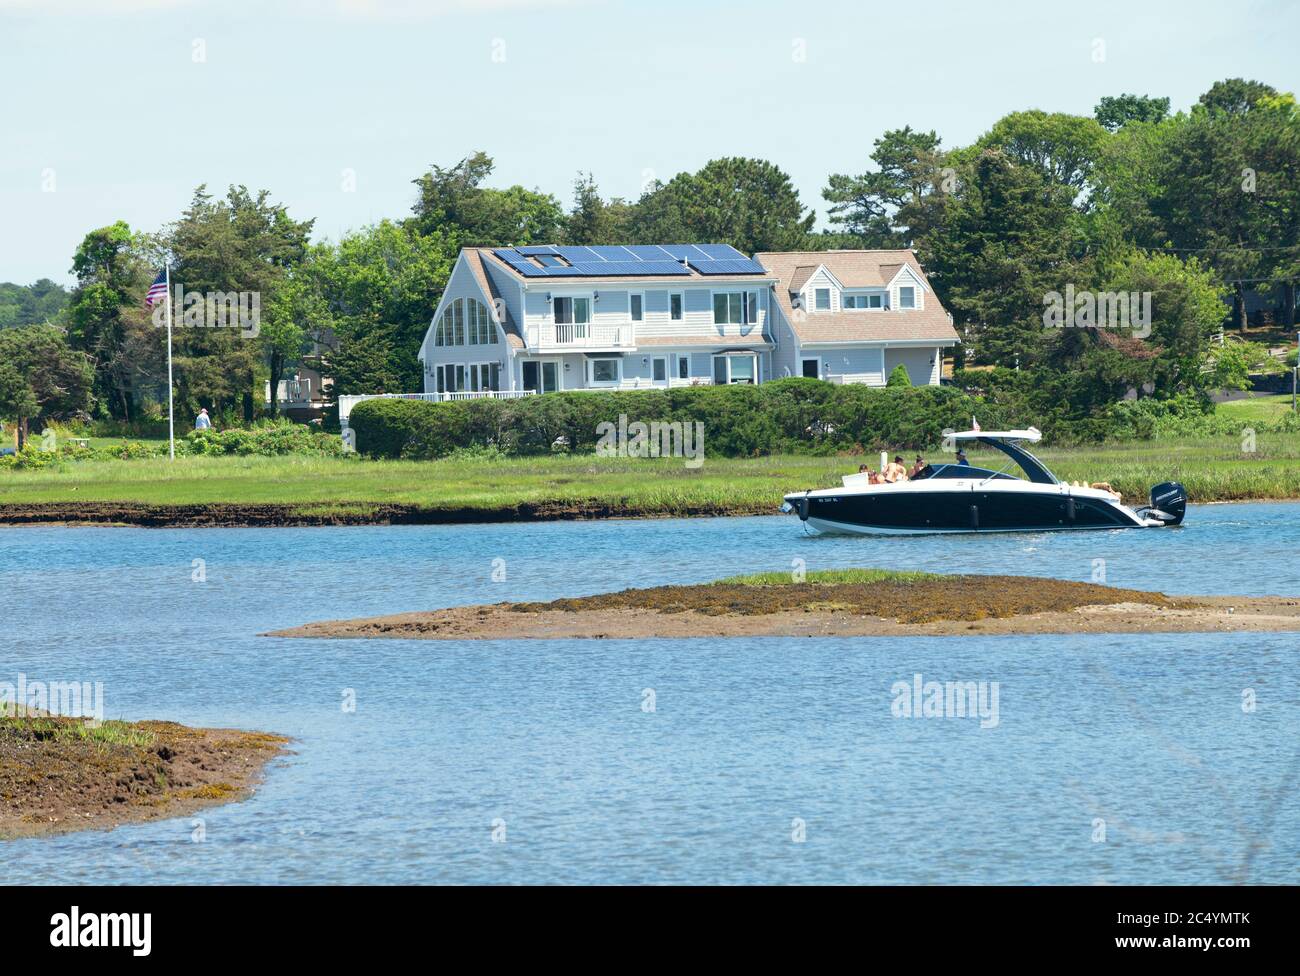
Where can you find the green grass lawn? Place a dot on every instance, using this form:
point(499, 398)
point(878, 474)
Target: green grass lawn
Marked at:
point(1213, 469)
point(1260, 409)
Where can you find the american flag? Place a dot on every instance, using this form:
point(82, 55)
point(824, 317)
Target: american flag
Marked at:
point(157, 291)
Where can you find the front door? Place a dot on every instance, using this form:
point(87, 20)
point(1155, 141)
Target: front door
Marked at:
point(812, 368)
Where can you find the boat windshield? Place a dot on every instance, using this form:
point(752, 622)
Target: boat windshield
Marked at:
point(959, 471)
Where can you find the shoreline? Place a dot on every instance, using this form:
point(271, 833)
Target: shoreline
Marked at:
point(58, 775)
point(281, 515)
point(884, 607)
point(239, 515)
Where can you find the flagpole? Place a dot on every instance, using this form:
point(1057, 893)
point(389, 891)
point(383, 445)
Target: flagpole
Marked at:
point(171, 418)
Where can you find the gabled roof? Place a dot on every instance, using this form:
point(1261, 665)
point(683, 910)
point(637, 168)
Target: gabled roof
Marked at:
point(857, 269)
point(474, 258)
point(801, 276)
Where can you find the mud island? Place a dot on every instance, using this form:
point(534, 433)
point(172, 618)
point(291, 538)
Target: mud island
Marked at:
point(833, 603)
point(62, 774)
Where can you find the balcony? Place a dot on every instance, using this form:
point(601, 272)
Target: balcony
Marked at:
point(580, 337)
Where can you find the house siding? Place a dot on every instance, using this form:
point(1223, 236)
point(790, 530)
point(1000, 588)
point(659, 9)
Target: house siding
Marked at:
point(861, 364)
point(462, 284)
point(917, 359)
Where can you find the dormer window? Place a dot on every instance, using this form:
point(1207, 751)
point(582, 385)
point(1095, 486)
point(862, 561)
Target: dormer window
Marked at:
point(822, 299)
point(907, 297)
point(861, 300)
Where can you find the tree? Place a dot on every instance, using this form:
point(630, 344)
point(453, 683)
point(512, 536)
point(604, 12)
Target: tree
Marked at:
point(1234, 96)
point(42, 377)
point(379, 287)
point(104, 315)
point(453, 200)
point(1219, 182)
point(31, 304)
point(747, 203)
point(296, 309)
point(1002, 242)
point(1116, 111)
point(1186, 308)
point(899, 376)
point(595, 221)
point(1064, 148)
point(240, 244)
point(878, 207)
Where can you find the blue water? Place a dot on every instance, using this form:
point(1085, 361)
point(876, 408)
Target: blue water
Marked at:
point(749, 738)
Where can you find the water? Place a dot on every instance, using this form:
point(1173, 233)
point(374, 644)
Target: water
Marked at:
point(748, 740)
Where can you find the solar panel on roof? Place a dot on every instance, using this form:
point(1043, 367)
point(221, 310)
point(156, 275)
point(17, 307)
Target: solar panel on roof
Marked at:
point(743, 266)
point(576, 254)
point(531, 249)
point(681, 251)
point(649, 252)
point(621, 268)
point(612, 252)
point(721, 252)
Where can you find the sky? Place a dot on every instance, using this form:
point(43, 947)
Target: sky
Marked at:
point(118, 109)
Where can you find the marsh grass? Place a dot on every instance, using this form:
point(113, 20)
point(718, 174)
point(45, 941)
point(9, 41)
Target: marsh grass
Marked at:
point(63, 729)
point(1212, 469)
point(828, 577)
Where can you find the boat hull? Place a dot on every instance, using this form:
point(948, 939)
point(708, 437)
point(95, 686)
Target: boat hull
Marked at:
point(988, 507)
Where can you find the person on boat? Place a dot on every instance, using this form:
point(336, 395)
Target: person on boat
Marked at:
point(894, 471)
point(917, 468)
point(961, 458)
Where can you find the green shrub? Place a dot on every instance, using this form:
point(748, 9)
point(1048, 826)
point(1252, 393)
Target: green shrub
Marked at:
point(785, 416)
point(899, 376)
point(266, 438)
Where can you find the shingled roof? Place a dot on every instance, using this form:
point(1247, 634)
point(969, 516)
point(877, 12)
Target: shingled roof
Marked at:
point(474, 256)
point(856, 269)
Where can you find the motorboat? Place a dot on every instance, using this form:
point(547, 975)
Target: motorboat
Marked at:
point(960, 497)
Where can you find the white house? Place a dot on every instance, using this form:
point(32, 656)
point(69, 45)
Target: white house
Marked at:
point(538, 319)
point(543, 318)
point(853, 316)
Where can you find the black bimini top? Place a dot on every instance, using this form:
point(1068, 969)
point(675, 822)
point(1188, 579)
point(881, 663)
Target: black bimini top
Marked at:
point(1033, 468)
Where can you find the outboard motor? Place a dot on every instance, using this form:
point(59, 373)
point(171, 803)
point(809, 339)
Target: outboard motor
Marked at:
point(1168, 503)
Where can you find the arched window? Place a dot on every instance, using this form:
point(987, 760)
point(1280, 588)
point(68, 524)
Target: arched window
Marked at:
point(465, 321)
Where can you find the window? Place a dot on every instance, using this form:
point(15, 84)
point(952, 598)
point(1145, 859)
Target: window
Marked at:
point(464, 320)
point(636, 306)
point(659, 369)
point(484, 376)
point(812, 368)
point(541, 376)
point(863, 300)
point(735, 369)
point(604, 371)
point(683, 367)
point(675, 306)
point(575, 312)
point(735, 307)
point(907, 297)
point(822, 299)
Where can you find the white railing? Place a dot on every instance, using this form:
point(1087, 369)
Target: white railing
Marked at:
point(346, 403)
point(580, 335)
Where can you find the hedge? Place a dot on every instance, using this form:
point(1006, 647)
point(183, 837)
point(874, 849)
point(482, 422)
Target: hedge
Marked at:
point(785, 416)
